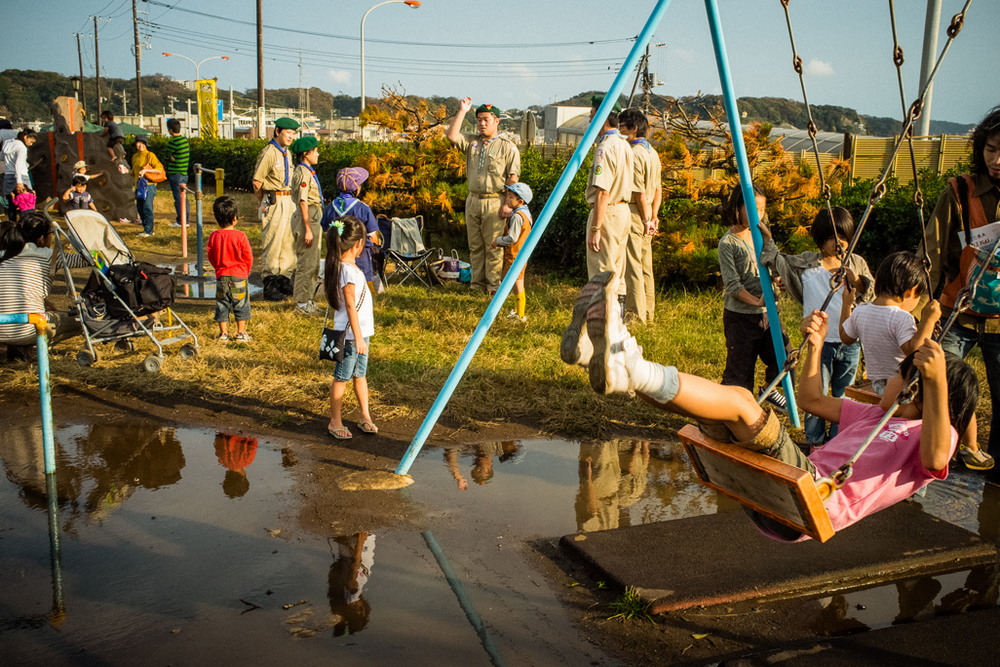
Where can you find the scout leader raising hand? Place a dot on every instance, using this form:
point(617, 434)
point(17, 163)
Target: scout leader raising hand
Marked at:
point(491, 162)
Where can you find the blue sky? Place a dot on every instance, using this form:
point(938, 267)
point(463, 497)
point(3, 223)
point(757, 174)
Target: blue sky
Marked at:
point(551, 50)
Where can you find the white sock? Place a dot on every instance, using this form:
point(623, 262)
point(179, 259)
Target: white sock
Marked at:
point(657, 381)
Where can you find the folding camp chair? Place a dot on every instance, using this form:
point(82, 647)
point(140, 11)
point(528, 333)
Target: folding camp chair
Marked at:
point(405, 248)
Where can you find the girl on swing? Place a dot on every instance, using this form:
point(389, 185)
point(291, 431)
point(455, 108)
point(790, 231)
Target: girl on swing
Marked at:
point(911, 450)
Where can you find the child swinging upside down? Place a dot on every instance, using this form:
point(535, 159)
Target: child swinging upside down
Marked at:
point(911, 450)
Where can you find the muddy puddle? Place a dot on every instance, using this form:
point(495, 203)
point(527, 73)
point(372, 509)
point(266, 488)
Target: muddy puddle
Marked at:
point(183, 545)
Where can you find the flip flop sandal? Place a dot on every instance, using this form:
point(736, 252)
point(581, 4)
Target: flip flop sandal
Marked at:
point(340, 433)
point(368, 428)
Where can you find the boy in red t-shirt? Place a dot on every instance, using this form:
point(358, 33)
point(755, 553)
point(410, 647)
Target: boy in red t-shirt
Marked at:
point(231, 256)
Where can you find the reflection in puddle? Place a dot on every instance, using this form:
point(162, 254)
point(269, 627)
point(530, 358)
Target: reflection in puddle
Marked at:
point(155, 560)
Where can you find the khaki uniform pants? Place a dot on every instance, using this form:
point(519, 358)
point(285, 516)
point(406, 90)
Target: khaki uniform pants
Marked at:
point(276, 239)
point(483, 225)
point(614, 237)
point(307, 258)
point(649, 282)
point(635, 285)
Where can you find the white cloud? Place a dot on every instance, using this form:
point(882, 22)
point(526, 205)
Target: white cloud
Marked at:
point(819, 68)
point(339, 75)
point(523, 71)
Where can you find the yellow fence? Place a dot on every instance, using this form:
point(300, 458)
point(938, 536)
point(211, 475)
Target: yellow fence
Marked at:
point(870, 155)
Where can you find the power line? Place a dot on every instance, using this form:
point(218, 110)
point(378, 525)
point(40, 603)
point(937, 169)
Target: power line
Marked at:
point(531, 45)
point(418, 65)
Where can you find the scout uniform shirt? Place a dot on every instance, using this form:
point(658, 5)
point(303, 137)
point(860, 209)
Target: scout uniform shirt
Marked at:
point(274, 168)
point(612, 169)
point(305, 185)
point(647, 169)
point(489, 163)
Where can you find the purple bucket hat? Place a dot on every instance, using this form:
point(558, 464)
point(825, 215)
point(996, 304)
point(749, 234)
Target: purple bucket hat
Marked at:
point(351, 178)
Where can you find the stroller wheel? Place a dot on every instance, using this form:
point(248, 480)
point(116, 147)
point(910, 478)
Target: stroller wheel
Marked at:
point(151, 364)
point(188, 351)
point(86, 358)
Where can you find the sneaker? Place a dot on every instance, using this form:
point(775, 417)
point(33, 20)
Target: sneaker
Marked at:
point(611, 341)
point(175, 224)
point(776, 400)
point(307, 308)
point(975, 460)
point(242, 338)
point(513, 316)
point(144, 235)
point(576, 347)
point(223, 338)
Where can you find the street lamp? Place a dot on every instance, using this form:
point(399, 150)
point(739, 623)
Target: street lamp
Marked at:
point(410, 3)
point(197, 66)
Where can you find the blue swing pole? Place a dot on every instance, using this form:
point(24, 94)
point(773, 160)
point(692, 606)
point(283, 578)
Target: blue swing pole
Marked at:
point(743, 165)
point(38, 321)
point(537, 229)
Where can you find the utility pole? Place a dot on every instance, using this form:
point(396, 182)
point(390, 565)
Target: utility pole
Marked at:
point(79, 55)
point(260, 69)
point(97, 63)
point(138, 59)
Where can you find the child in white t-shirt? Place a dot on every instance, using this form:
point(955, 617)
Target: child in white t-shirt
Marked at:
point(885, 326)
point(347, 292)
point(807, 278)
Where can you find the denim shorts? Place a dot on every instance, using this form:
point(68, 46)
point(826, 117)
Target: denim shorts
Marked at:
point(354, 365)
point(232, 295)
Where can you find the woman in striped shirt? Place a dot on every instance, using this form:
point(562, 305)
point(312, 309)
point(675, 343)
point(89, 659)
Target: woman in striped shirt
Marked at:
point(27, 263)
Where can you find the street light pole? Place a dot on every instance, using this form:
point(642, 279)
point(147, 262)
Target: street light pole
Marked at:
point(409, 3)
point(197, 65)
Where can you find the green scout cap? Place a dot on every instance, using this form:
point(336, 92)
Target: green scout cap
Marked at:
point(597, 100)
point(304, 144)
point(286, 123)
point(487, 108)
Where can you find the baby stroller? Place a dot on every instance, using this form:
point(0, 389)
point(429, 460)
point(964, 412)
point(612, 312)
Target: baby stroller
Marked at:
point(404, 247)
point(123, 298)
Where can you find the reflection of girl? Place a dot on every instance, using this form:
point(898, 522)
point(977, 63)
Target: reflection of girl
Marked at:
point(235, 453)
point(348, 575)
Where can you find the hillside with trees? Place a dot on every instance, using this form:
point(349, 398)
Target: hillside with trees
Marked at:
point(25, 95)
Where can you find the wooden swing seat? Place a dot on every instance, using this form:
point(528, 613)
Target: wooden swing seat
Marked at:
point(863, 393)
point(775, 489)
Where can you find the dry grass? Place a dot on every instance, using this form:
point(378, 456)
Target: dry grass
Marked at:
point(516, 375)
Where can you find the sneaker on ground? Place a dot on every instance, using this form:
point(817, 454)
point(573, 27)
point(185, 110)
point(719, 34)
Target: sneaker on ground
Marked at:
point(223, 338)
point(975, 460)
point(307, 308)
point(243, 338)
point(144, 235)
point(776, 400)
point(175, 224)
point(611, 341)
point(513, 316)
point(576, 347)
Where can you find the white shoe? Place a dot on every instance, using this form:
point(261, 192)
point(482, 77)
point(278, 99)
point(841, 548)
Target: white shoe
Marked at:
point(611, 342)
point(576, 347)
point(175, 224)
point(307, 308)
point(512, 315)
point(144, 235)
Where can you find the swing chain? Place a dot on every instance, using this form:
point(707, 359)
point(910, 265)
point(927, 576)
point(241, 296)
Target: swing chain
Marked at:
point(797, 65)
point(957, 21)
point(898, 56)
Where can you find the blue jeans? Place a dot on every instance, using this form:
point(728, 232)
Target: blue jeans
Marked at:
point(145, 207)
point(838, 366)
point(354, 365)
point(175, 187)
point(960, 340)
point(231, 297)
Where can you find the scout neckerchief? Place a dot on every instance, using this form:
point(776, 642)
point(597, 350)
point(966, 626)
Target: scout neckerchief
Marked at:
point(285, 154)
point(527, 213)
point(484, 152)
point(319, 187)
point(642, 142)
point(344, 203)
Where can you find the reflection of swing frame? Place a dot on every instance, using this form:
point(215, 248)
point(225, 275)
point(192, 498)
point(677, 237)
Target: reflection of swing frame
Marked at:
point(774, 488)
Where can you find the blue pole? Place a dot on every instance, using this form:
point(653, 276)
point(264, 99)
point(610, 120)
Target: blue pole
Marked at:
point(537, 229)
point(743, 165)
point(199, 226)
point(48, 440)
